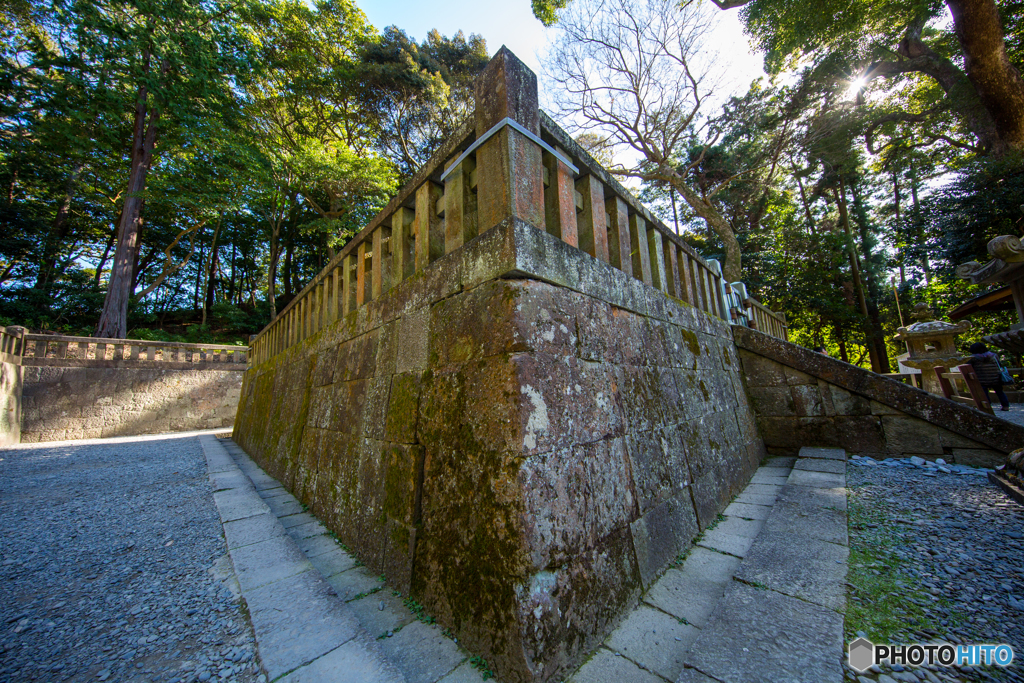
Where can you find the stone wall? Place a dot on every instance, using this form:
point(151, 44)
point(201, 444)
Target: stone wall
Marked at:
point(521, 437)
point(10, 402)
point(83, 399)
point(803, 398)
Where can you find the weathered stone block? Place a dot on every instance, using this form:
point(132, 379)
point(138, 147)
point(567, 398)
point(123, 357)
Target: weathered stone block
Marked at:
point(403, 474)
point(761, 372)
point(860, 434)
point(797, 432)
point(772, 401)
point(978, 457)
point(413, 342)
point(910, 435)
point(574, 498)
point(807, 400)
point(403, 408)
point(662, 534)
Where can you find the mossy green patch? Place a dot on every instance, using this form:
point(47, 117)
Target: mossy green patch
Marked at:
point(884, 601)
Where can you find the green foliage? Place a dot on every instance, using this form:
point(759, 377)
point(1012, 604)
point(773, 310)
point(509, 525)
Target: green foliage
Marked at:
point(276, 143)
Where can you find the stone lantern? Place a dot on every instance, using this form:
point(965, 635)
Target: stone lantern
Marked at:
point(931, 343)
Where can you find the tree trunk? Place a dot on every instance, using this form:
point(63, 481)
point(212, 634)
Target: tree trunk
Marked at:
point(877, 334)
point(997, 81)
point(919, 225)
point(113, 321)
point(732, 268)
point(858, 283)
point(103, 259)
point(58, 233)
point(211, 275)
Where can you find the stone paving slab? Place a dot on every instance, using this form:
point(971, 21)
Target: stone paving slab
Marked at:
point(694, 676)
point(236, 504)
point(822, 480)
point(289, 521)
point(381, 612)
point(284, 505)
point(304, 631)
point(318, 545)
point(333, 562)
point(790, 517)
point(354, 582)
point(826, 453)
point(654, 639)
point(229, 479)
point(821, 465)
point(464, 673)
point(748, 511)
point(422, 653)
point(274, 559)
point(685, 596)
point(297, 620)
point(731, 544)
point(607, 666)
point(812, 570)
point(785, 461)
point(252, 530)
point(762, 635)
point(709, 565)
point(307, 530)
point(357, 661)
point(756, 498)
point(774, 475)
point(805, 496)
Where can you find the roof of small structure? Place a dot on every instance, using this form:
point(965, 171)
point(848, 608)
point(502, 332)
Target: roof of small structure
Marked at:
point(1006, 264)
point(1000, 299)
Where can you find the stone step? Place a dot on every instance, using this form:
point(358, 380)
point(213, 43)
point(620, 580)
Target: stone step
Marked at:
point(781, 618)
point(418, 651)
point(654, 640)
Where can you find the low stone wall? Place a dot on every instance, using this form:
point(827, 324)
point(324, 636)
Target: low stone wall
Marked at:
point(803, 398)
point(521, 437)
point(10, 402)
point(74, 399)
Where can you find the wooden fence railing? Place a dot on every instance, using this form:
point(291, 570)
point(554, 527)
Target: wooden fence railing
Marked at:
point(11, 344)
point(45, 349)
point(469, 183)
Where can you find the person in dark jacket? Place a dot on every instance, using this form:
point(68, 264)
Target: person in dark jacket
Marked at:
point(986, 366)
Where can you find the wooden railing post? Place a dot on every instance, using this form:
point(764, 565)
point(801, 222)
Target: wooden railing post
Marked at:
point(459, 207)
point(429, 235)
point(381, 265)
point(560, 200)
point(591, 223)
point(619, 249)
point(403, 243)
point(640, 251)
point(509, 164)
point(657, 258)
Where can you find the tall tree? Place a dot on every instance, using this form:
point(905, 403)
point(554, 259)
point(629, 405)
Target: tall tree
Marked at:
point(175, 60)
point(630, 72)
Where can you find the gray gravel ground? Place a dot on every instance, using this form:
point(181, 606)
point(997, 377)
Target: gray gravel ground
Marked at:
point(114, 567)
point(957, 541)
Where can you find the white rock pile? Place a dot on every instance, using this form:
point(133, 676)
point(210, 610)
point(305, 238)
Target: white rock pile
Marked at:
point(928, 468)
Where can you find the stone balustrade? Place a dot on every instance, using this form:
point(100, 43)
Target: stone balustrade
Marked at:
point(519, 162)
point(11, 344)
point(55, 350)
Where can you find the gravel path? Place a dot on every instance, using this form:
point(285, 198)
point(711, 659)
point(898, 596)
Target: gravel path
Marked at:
point(114, 567)
point(952, 546)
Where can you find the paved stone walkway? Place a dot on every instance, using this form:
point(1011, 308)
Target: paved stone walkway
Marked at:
point(114, 568)
point(759, 598)
point(319, 616)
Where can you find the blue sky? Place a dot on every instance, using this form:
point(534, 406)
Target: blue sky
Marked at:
point(512, 23)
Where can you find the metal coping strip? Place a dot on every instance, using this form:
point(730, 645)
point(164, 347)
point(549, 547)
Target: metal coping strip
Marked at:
point(494, 129)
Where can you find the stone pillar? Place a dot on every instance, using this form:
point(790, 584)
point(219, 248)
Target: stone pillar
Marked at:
point(509, 165)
